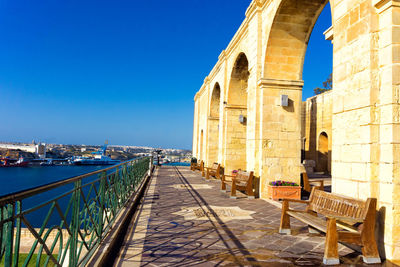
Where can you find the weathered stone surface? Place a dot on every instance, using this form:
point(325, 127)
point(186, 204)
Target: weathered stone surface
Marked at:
point(362, 142)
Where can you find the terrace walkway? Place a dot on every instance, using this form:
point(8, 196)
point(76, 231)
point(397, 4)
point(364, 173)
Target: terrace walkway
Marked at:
point(187, 221)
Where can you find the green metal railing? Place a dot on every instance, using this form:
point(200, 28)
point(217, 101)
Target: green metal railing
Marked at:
point(63, 223)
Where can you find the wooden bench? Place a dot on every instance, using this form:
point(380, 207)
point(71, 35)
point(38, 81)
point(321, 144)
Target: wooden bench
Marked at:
point(197, 166)
point(307, 186)
point(241, 181)
point(345, 220)
point(214, 171)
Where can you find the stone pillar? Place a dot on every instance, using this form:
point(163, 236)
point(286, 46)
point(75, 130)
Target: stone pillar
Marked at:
point(386, 168)
point(212, 142)
point(235, 138)
point(195, 128)
point(281, 131)
point(366, 120)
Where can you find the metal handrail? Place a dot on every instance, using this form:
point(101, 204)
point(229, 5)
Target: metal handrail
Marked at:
point(9, 198)
point(84, 215)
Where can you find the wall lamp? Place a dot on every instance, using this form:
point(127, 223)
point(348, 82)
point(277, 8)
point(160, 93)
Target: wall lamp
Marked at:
point(284, 100)
point(242, 119)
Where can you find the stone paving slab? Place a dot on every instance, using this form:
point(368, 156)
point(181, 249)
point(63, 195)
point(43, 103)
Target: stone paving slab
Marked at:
point(186, 221)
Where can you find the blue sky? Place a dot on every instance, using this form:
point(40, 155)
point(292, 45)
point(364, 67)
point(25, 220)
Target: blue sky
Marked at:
point(83, 71)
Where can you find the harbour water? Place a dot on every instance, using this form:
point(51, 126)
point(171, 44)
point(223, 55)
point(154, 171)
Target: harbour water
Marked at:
point(15, 179)
point(20, 178)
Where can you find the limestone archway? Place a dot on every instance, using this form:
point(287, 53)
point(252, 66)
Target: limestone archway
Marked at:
point(236, 115)
point(288, 38)
point(213, 125)
point(285, 52)
point(275, 35)
point(323, 153)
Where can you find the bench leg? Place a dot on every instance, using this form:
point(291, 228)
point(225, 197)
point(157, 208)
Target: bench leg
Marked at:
point(223, 186)
point(369, 248)
point(249, 191)
point(233, 190)
point(284, 227)
point(331, 255)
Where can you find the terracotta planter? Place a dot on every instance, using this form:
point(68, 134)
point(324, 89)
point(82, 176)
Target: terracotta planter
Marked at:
point(280, 192)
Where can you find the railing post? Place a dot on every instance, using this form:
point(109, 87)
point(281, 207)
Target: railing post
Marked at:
point(124, 181)
point(102, 189)
point(18, 232)
point(9, 212)
point(75, 222)
point(150, 165)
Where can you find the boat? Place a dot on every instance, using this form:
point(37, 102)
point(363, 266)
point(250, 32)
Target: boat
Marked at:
point(47, 162)
point(7, 162)
point(165, 161)
point(99, 159)
point(96, 160)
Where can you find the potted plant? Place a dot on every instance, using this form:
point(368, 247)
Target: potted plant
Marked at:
point(283, 189)
point(234, 172)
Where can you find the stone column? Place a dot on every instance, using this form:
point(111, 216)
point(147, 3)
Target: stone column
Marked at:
point(281, 131)
point(386, 168)
point(235, 138)
point(195, 151)
point(212, 142)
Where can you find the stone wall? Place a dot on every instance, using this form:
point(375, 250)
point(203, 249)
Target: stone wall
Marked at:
point(317, 120)
point(235, 153)
point(361, 138)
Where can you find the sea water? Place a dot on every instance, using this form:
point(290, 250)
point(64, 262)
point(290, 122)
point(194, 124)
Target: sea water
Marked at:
point(14, 179)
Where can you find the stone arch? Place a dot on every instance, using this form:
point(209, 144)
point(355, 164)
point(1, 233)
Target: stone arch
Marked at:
point(215, 101)
point(323, 153)
point(281, 86)
point(236, 115)
point(289, 36)
point(238, 84)
point(213, 125)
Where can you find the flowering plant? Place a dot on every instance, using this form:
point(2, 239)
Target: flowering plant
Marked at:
point(282, 183)
point(234, 172)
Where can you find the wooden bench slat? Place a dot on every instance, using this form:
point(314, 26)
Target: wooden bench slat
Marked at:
point(309, 219)
point(308, 184)
point(214, 170)
point(343, 218)
point(242, 181)
point(318, 222)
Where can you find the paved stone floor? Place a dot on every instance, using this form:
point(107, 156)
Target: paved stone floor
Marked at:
point(187, 221)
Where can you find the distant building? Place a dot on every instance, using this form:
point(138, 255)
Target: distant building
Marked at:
point(40, 150)
point(26, 148)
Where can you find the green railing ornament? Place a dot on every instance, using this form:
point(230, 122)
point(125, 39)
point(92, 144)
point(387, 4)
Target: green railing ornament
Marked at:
point(74, 222)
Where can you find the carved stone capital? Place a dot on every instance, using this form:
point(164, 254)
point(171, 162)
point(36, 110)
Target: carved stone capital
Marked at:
point(210, 118)
point(281, 84)
point(230, 106)
point(383, 5)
